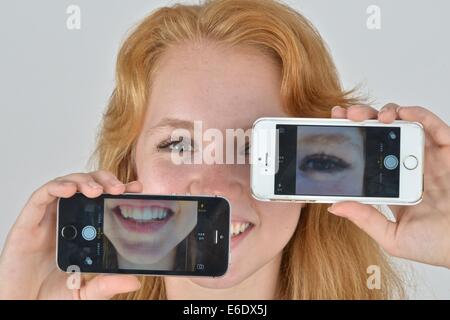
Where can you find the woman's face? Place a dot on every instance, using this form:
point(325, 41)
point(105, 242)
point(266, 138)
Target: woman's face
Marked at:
point(143, 232)
point(327, 159)
point(225, 89)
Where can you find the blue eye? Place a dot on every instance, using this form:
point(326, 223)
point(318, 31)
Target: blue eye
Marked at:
point(180, 145)
point(247, 149)
point(323, 163)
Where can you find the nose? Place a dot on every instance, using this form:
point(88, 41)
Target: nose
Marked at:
point(220, 180)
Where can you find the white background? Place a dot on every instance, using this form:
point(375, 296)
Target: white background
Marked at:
point(55, 83)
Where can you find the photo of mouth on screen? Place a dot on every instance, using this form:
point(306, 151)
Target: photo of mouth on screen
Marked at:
point(338, 161)
point(148, 234)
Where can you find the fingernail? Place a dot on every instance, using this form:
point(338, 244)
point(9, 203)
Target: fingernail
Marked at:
point(398, 109)
point(332, 209)
point(335, 108)
point(94, 185)
point(138, 285)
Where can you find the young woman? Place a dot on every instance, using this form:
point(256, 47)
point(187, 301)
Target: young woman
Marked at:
point(227, 63)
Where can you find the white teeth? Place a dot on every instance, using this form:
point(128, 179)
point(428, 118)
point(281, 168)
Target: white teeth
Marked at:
point(147, 214)
point(238, 227)
point(144, 214)
point(123, 213)
point(137, 214)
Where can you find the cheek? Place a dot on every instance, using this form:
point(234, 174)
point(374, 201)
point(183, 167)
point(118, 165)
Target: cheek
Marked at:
point(161, 176)
point(278, 223)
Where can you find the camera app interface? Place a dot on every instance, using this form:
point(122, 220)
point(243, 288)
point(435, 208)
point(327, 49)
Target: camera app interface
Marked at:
point(117, 234)
point(338, 161)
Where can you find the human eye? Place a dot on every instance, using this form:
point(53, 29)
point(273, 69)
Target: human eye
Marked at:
point(322, 163)
point(245, 150)
point(180, 145)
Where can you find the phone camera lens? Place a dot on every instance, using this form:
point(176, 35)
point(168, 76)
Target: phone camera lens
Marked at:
point(69, 232)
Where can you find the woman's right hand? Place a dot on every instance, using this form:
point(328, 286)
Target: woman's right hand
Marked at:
point(27, 264)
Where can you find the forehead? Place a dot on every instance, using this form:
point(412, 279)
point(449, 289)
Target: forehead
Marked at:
point(223, 87)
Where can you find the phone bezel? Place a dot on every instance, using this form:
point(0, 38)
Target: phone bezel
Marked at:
point(412, 142)
point(158, 272)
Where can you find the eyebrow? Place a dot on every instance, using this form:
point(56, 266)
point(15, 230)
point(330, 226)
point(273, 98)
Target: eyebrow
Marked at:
point(325, 138)
point(172, 123)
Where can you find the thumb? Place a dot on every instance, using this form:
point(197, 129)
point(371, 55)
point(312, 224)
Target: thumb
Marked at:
point(104, 287)
point(370, 220)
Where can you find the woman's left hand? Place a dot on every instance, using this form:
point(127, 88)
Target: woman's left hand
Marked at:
point(421, 232)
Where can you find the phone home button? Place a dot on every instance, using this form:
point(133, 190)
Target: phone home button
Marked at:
point(410, 162)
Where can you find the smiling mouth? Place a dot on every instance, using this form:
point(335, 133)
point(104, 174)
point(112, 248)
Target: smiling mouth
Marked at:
point(239, 227)
point(143, 219)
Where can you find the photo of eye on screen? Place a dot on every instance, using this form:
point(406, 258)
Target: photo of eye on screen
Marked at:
point(132, 234)
point(338, 161)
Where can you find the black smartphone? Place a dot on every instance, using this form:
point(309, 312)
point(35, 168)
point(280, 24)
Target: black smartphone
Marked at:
point(144, 234)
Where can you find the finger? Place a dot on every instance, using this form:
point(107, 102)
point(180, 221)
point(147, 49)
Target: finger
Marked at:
point(85, 184)
point(134, 186)
point(437, 129)
point(388, 113)
point(338, 112)
point(109, 181)
point(105, 287)
point(36, 207)
point(361, 112)
point(366, 217)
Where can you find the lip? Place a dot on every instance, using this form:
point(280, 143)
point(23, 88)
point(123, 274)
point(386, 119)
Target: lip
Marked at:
point(238, 239)
point(137, 203)
point(132, 225)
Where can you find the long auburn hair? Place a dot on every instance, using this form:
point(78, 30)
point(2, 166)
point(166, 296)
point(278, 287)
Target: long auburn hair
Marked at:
point(327, 257)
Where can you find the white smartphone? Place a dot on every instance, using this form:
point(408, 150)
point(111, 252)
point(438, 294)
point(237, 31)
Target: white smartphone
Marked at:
point(331, 160)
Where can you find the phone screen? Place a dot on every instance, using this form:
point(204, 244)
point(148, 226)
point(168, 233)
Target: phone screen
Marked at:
point(338, 161)
point(144, 234)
